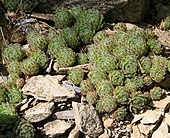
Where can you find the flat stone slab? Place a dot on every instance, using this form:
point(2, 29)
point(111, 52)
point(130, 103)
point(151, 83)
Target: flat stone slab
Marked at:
point(47, 88)
point(39, 112)
point(56, 128)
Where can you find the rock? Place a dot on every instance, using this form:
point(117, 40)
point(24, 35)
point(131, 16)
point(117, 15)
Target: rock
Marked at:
point(68, 114)
point(56, 128)
point(167, 118)
point(108, 123)
point(146, 129)
point(26, 105)
point(39, 112)
point(47, 88)
point(87, 119)
point(163, 104)
point(162, 11)
point(114, 10)
point(151, 116)
point(136, 133)
point(162, 131)
point(74, 133)
point(104, 135)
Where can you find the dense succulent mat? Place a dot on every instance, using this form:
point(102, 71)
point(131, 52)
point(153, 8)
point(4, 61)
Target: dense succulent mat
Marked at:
point(128, 67)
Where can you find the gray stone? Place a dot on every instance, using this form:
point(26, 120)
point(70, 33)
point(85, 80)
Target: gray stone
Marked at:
point(87, 119)
point(56, 128)
point(39, 112)
point(136, 133)
point(74, 133)
point(68, 114)
point(114, 10)
point(47, 88)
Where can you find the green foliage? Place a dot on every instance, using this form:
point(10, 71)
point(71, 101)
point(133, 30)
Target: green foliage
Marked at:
point(71, 37)
point(11, 53)
point(157, 93)
point(86, 86)
point(120, 114)
point(11, 5)
point(76, 11)
point(92, 97)
point(29, 67)
point(36, 41)
point(147, 81)
point(116, 77)
point(106, 62)
point(55, 44)
point(66, 57)
point(82, 59)
point(76, 75)
point(129, 65)
point(40, 58)
point(155, 46)
point(24, 129)
point(63, 18)
point(99, 36)
point(3, 96)
point(109, 103)
point(145, 65)
point(166, 23)
point(14, 95)
point(138, 102)
point(120, 27)
point(104, 88)
point(121, 95)
point(96, 76)
point(13, 68)
point(8, 116)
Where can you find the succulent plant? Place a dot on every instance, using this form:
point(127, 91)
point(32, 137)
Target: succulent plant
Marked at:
point(137, 46)
point(129, 65)
point(8, 116)
point(3, 96)
point(106, 62)
point(119, 52)
point(86, 86)
point(157, 73)
point(66, 57)
point(104, 88)
point(85, 32)
point(29, 67)
point(120, 114)
point(92, 97)
point(92, 17)
point(93, 53)
point(116, 77)
point(55, 44)
point(96, 76)
point(147, 81)
point(11, 53)
point(76, 11)
point(82, 58)
point(63, 18)
point(24, 129)
point(121, 95)
point(130, 85)
point(11, 5)
point(120, 27)
point(10, 82)
point(120, 39)
point(13, 68)
point(109, 103)
point(157, 93)
point(99, 105)
point(76, 75)
point(138, 80)
point(138, 102)
point(71, 37)
point(155, 46)
point(20, 82)
point(145, 65)
point(40, 58)
point(99, 36)
point(15, 95)
point(166, 23)
point(36, 41)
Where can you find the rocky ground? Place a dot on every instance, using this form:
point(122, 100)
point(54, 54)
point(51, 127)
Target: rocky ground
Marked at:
point(56, 107)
